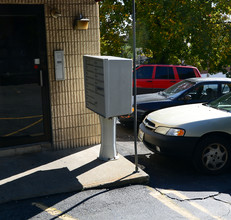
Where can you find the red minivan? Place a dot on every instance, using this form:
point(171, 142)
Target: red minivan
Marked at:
point(157, 77)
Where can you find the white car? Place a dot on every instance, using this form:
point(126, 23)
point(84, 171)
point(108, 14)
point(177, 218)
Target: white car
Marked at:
point(201, 132)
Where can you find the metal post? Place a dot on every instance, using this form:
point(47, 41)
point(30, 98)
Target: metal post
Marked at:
point(108, 139)
point(134, 83)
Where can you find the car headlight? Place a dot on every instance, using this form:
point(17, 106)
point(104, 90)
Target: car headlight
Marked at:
point(170, 131)
point(162, 130)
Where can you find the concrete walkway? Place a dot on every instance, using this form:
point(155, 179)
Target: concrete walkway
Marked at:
point(51, 172)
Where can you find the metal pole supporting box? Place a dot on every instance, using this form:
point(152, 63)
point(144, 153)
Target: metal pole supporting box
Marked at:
point(108, 139)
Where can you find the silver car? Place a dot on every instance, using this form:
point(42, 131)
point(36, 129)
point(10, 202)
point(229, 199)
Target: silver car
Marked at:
point(201, 132)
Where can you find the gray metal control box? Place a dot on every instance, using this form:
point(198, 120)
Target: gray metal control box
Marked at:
point(59, 65)
point(108, 85)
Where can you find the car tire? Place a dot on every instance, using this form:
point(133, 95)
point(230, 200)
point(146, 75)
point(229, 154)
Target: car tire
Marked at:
point(212, 155)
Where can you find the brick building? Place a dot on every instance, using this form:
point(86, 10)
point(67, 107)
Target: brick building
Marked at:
point(35, 106)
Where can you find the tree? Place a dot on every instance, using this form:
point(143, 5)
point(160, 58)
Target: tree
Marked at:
point(192, 32)
point(115, 23)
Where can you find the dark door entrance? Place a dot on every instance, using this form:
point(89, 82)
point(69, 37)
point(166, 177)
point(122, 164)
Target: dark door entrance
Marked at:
point(24, 103)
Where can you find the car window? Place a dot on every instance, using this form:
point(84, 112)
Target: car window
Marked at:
point(204, 92)
point(225, 88)
point(185, 73)
point(164, 72)
point(179, 87)
point(222, 103)
point(144, 72)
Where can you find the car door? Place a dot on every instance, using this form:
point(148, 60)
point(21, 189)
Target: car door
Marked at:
point(164, 77)
point(144, 78)
point(203, 92)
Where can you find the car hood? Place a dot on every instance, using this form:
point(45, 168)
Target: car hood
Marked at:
point(150, 97)
point(187, 114)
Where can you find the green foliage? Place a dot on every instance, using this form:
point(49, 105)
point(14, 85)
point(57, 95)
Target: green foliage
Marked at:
point(192, 32)
point(115, 24)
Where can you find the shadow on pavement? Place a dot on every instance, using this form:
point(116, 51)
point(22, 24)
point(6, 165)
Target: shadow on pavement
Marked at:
point(179, 174)
point(21, 163)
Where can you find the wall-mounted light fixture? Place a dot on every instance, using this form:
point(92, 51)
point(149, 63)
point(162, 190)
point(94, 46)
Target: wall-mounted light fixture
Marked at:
point(55, 13)
point(81, 23)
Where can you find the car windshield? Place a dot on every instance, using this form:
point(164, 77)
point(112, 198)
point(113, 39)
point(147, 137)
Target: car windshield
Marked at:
point(178, 88)
point(222, 103)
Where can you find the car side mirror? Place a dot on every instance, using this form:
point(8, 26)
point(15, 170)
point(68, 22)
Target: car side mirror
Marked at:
point(186, 98)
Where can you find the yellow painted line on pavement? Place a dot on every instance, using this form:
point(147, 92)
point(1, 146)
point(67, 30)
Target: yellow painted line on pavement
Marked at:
point(53, 211)
point(194, 204)
point(170, 203)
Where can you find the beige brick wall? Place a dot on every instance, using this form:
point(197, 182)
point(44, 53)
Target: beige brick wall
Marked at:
point(72, 124)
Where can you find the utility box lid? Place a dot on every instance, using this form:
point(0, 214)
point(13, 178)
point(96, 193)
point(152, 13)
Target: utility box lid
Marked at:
point(108, 85)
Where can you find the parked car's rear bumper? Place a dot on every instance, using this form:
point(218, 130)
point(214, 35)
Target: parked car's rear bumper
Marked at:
point(129, 119)
point(126, 119)
point(168, 145)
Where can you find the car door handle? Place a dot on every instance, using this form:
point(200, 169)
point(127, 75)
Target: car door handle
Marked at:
point(149, 81)
point(172, 81)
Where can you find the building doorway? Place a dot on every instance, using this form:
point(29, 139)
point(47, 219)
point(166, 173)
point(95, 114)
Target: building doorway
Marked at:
point(24, 92)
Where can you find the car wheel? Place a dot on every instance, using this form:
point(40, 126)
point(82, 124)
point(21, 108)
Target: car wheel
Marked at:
point(212, 155)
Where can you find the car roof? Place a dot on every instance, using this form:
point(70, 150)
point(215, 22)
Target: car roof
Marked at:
point(169, 65)
point(214, 79)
